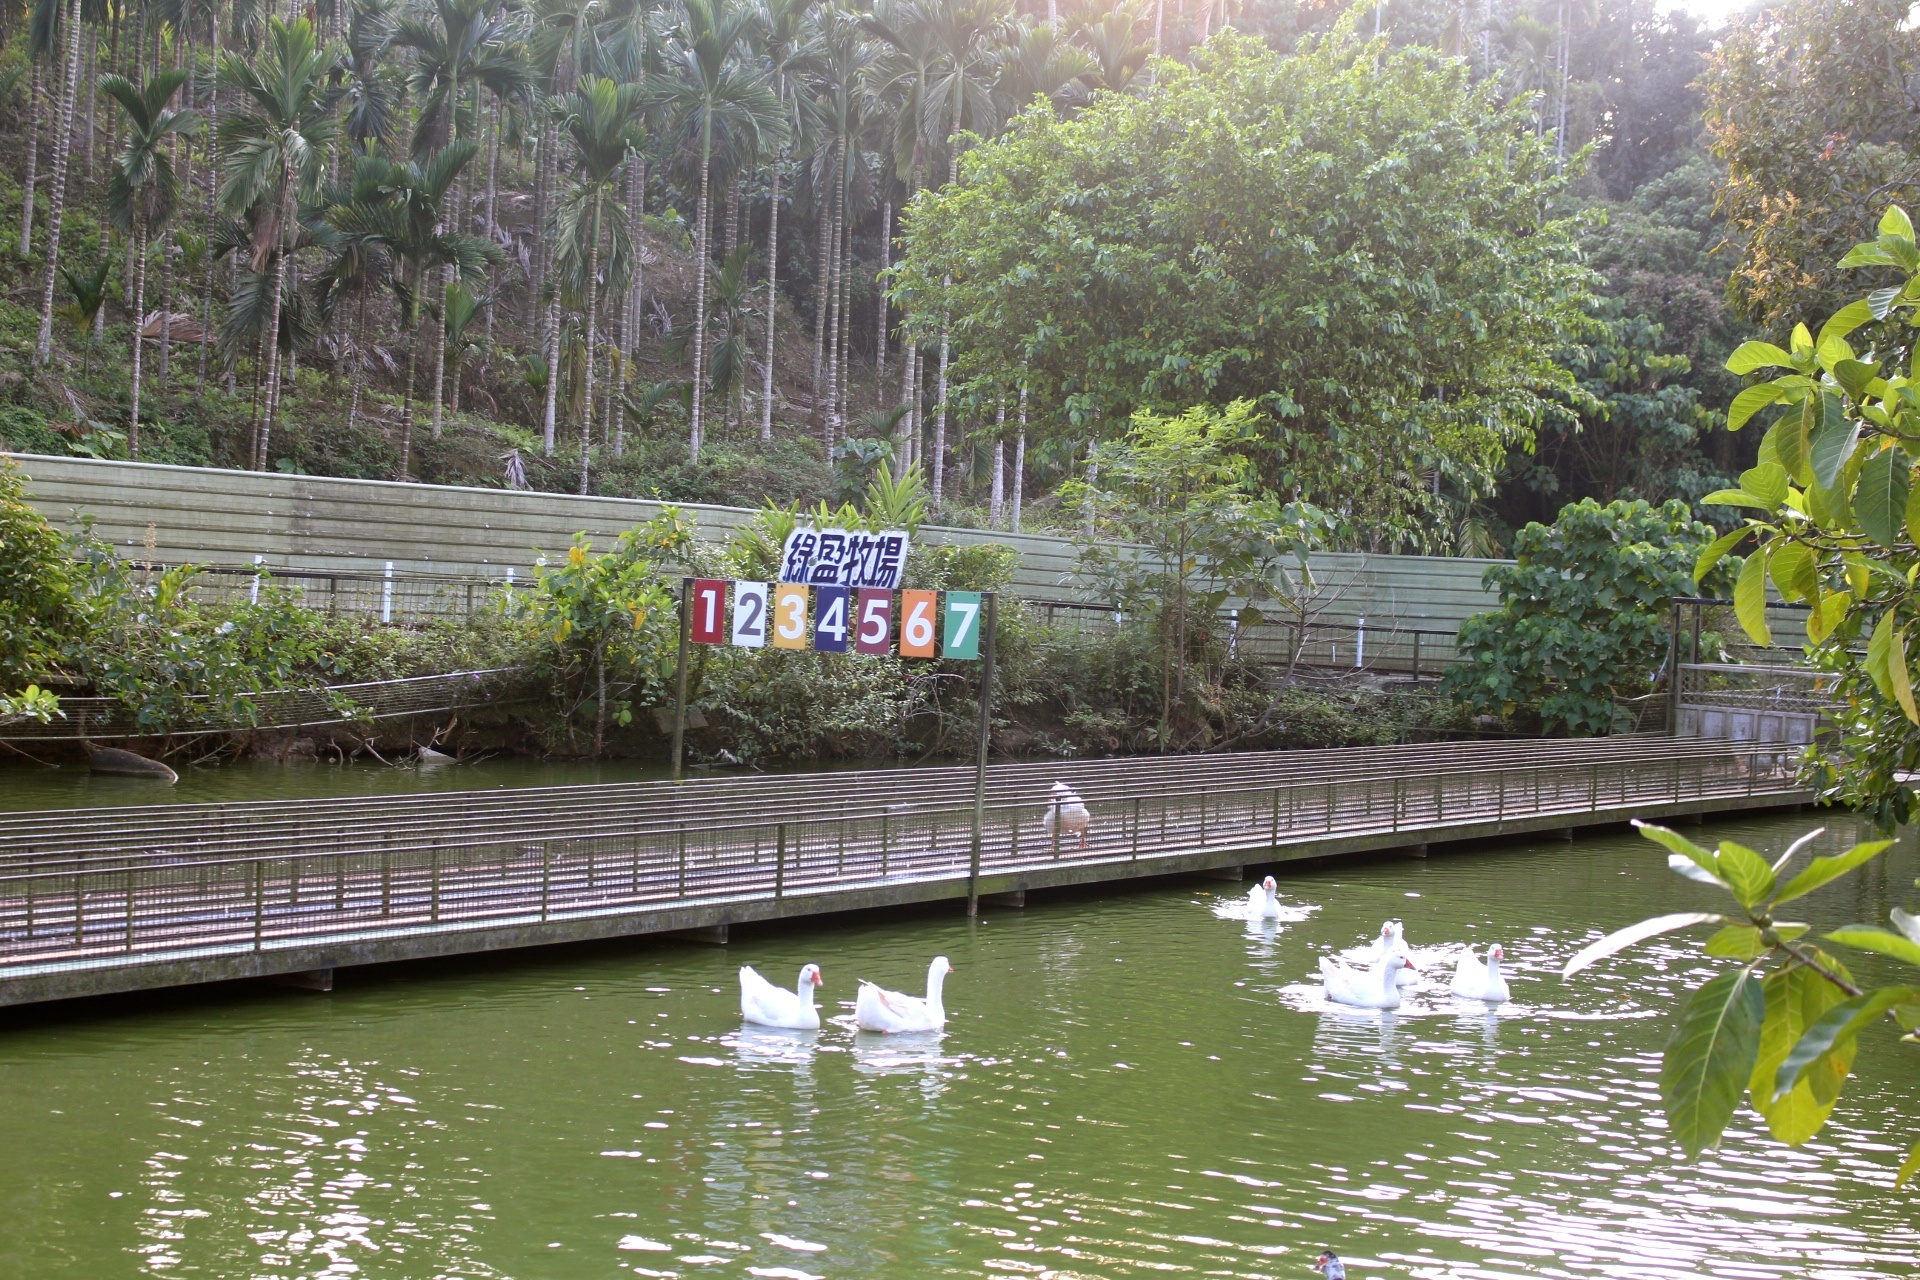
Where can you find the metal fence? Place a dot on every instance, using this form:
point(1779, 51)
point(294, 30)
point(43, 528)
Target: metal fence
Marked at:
point(1382, 646)
point(119, 886)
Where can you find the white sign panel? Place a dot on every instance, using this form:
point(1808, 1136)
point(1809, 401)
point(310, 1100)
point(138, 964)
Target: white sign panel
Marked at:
point(750, 615)
point(845, 558)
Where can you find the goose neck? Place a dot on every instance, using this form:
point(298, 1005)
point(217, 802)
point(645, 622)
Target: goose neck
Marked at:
point(936, 979)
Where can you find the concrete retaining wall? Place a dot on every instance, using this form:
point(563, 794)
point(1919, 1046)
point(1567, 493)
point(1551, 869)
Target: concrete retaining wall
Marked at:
point(324, 524)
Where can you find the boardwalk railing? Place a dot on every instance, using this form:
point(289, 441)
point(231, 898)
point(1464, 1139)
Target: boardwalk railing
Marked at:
point(118, 887)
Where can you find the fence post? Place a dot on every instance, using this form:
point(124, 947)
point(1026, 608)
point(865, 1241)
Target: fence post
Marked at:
point(780, 864)
point(433, 871)
point(129, 938)
point(1416, 657)
point(546, 878)
point(1135, 857)
point(1273, 839)
point(386, 595)
point(1399, 797)
point(989, 601)
point(680, 680)
point(259, 902)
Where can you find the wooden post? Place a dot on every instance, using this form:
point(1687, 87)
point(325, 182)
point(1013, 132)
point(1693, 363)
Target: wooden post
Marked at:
point(680, 680)
point(988, 602)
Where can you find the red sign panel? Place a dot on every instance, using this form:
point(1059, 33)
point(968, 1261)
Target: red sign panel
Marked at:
point(706, 610)
point(874, 621)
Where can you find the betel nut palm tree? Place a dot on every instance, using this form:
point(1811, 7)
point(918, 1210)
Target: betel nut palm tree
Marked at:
point(142, 190)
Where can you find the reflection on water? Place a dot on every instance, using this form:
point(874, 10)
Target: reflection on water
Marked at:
point(1129, 1085)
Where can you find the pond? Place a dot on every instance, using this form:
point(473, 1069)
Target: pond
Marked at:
point(1133, 1083)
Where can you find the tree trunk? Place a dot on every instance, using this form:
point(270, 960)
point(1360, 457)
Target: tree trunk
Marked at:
point(830, 306)
point(57, 195)
point(701, 271)
point(545, 145)
point(553, 373)
point(406, 405)
point(999, 463)
point(939, 465)
point(732, 197)
point(33, 158)
point(440, 352)
point(843, 379)
point(359, 363)
point(493, 191)
point(139, 312)
point(166, 311)
point(880, 327)
point(1019, 463)
point(822, 269)
point(93, 76)
point(213, 185)
point(273, 316)
point(773, 303)
point(593, 338)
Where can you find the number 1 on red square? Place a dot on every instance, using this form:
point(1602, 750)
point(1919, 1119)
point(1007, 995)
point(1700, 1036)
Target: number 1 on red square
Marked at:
point(873, 620)
point(706, 607)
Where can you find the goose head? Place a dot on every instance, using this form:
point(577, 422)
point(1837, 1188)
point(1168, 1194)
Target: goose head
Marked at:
point(809, 979)
point(1494, 956)
point(1271, 886)
point(940, 968)
point(1390, 972)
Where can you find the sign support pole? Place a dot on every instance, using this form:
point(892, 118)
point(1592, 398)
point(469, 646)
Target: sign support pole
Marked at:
point(680, 679)
point(988, 601)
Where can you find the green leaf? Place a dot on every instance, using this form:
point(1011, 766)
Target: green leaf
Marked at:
point(1885, 941)
point(1832, 441)
point(1858, 377)
point(1868, 254)
point(1880, 500)
point(1767, 482)
point(1750, 598)
point(1736, 942)
point(1801, 344)
point(1749, 356)
point(1710, 1059)
point(1842, 1021)
point(1797, 997)
point(1843, 322)
point(1908, 1167)
point(1913, 506)
point(1686, 868)
point(1795, 571)
point(1822, 619)
point(1751, 400)
point(1879, 653)
point(1737, 498)
point(1786, 441)
point(1898, 676)
point(1894, 222)
point(1745, 872)
point(1821, 870)
point(1621, 939)
point(1716, 551)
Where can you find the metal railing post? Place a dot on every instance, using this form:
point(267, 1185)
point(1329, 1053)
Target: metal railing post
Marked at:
point(780, 864)
point(259, 903)
point(546, 879)
point(433, 872)
point(1273, 838)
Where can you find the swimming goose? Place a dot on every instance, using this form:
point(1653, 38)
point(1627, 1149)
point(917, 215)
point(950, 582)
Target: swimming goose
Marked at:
point(1477, 981)
point(890, 1011)
point(766, 1005)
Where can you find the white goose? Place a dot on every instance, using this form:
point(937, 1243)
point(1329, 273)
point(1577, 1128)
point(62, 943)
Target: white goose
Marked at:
point(1069, 811)
point(1392, 942)
point(890, 1011)
point(1263, 900)
point(766, 1005)
point(1477, 981)
point(1375, 988)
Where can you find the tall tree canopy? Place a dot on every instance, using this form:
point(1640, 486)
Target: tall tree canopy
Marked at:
point(1352, 238)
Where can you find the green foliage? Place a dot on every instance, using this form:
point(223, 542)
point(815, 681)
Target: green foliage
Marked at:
point(35, 583)
point(1583, 614)
point(1332, 236)
point(1781, 1027)
point(1185, 487)
point(607, 625)
point(1832, 509)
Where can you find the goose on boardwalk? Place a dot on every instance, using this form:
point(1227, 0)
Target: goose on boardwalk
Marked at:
point(766, 1005)
point(1375, 988)
point(1263, 900)
point(1067, 809)
point(1477, 981)
point(890, 1011)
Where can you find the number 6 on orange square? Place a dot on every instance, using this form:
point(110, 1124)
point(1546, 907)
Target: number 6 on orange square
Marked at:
point(918, 613)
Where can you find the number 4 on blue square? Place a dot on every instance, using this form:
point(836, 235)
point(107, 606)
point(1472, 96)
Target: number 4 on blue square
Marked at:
point(830, 619)
point(961, 638)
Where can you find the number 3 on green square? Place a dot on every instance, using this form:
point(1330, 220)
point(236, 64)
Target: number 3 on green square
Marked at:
point(961, 638)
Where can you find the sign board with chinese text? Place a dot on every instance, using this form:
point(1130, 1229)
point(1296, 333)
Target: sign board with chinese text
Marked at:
point(845, 558)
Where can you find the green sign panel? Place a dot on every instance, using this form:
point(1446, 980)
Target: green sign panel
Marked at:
point(961, 639)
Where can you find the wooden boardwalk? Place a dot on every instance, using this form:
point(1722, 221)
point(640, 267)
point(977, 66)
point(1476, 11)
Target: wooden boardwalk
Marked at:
point(121, 899)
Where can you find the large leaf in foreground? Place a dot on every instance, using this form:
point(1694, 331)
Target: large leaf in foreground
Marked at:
point(1710, 1058)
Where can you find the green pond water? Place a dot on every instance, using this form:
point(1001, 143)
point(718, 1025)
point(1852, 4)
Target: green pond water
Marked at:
point(1133, 1083)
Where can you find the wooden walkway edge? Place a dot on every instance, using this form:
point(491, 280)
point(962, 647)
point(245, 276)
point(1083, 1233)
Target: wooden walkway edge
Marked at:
point(115, 900)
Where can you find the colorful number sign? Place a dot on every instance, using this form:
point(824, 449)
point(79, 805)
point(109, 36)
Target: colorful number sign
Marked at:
point(830, 619)
point(707, 607)
point(750, 615)
point(873, 621)
point(962, 638)
point(919, 610)
point(790, 616)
